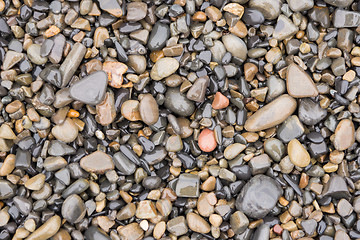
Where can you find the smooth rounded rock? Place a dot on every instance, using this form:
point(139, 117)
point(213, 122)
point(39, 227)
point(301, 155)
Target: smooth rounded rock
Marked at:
point(163, 68)
point(271, 114)
point(91, 89)
point(177, 102)
point(197, 224)
point(97, 162)
point(149, 110)
point(47, 230)
point(235, 46)
point(66, 132)
point(298, 154)
point(73, 209)
point(298, 83)
point(259, 196)
point(344, 135)
point(7, 189)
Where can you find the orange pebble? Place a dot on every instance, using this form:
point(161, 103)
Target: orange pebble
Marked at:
point(278, 229)
point(220, 101)
point(73, 113)
point(207, 142)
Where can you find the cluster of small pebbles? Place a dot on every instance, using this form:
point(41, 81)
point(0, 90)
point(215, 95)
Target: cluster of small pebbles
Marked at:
point(179, 119)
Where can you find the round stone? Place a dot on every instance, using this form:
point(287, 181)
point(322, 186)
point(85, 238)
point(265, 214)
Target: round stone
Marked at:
point(177, 102)
point(73, 209)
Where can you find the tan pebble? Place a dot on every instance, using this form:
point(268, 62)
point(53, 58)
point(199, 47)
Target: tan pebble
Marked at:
point(130, 110)
point(159, 230)
point(215, 220)
point(349, 75)
point(344, 135)
point(197, 224)
point(298, 154)
point(35, 183)
point(234, 8)
point(213, 13)
point(209, 184)
point(47, 230)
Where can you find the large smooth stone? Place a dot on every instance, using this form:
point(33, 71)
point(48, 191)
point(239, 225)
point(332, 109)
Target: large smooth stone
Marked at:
point(158, 36)
point(7, 189)
point(91, 89)
point(299, 84)
point(258, 197)
point(271, 114)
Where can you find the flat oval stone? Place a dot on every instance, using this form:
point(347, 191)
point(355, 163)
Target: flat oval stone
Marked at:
point(298, 154)
point(149, 109)
point(91, 89)
point(344, 135)
point(97, 162)
point(259, 196)
point(73, 209)
point(177, 102)
point(271, 114)
point(299, 84)
point(235, 46)
point(163, 68)
point(7, 189)
point(66, 132)
point(47, 230)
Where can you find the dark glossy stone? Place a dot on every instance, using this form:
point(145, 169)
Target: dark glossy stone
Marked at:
point(310, 112)
point(158, 36)
point(253, 17)
point(336, 187)
point(123, 164)
point(256, 199)
point(177, 102)
point(156, 156)
point(95, 233)
point(151, 182)
point(52, 75)
point(23, 159)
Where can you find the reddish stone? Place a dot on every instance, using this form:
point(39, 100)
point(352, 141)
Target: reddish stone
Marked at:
point(220, 101)
point(207, 142)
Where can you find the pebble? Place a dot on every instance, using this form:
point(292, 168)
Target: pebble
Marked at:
point(73, 209)
point(52, 75)
point(198, 89)
point(47, 230)
point(131, 231)
point(11, 59)
point(128, 211)
point(177, 102)
point(72, 62)
point(274, 148)
point(177, 226)
point(255, 200)
point(298, 83)
point(233, 150)
point(136, 11)
point(163, 68)
point(95, 233)
point(310, 112)
point(149, 110)
point(239, 222)
point(7, 189)
point(66, 132)
point(298, 154)
point(284, 28)
point(35, 183)
point(197, 224)
point(235, 46)
point(54, 163)
point(34, 54)
point(91, 89)
point(188, 186)
point(302, 5)
point(271, 114)
point(158, 36)
point(91, 163)
point(123, 164)
point(130, 110)
point(270, 9)
point(343, 18)
point(339, 3)
point(146, 210)
point(290, 129)
point(344, 135)
point(105, 111)
point(220, 101)
point(207, 141)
